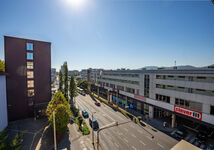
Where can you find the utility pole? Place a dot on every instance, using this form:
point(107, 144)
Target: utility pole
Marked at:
point(93, 127)
point(54, 130)
point(106, 127)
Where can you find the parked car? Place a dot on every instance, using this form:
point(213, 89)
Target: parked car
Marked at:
point(180, 134)
point(85, 114)
point(202, 137)
point(97, 103)
point(93, 123)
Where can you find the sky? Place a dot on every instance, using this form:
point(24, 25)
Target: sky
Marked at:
point(113, 34)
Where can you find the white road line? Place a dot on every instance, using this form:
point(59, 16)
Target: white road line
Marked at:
point(149, 138)
point(134, 148)
point(142, 142)
point(160, 145)
point(133, 135)
point(140, 131)
point(125, 129)
point(126, 140)
point(116, 144)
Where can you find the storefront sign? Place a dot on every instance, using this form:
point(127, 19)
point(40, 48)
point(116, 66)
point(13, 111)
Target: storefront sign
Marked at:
point(187, 112)
point(140, 97)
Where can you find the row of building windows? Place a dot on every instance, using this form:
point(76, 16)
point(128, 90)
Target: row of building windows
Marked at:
point(188, 104)
point(163, 98)
point(121, 88)
point(30, 74)
point(122, 81)
point(186, 90)
point(186, 78)
point(122, 75)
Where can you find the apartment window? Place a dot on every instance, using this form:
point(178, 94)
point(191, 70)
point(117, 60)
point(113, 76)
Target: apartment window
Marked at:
point(30, 101)
point(163, 98)
point(30, 84)
point(212, 110)
point(29, 46)
point(30, 74)
point(130, 90)
point(29, 65)
point(29, 56)
point(30, 93)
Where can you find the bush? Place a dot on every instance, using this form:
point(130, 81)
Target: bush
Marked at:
point(139, 118)
point(14, 144)
point(86, 130)
point(2, 66)
point(62, 112)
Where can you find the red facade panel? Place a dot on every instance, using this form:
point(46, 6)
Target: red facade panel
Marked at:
point(16, 67)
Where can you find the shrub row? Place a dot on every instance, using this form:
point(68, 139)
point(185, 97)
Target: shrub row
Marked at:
point(78, 119)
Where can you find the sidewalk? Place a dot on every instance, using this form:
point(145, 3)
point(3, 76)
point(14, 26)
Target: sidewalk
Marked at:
point(77, 140)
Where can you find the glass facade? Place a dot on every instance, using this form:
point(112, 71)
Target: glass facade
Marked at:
point(29, 56)
point(29, 46)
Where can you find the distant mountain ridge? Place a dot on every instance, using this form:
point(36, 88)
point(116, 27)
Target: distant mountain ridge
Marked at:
point(182, 67)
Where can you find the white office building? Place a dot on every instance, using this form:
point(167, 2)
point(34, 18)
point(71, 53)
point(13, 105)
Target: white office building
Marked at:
point(180, 96)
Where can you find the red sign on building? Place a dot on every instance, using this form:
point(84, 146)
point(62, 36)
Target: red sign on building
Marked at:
point(140, 97)
point(187, 112)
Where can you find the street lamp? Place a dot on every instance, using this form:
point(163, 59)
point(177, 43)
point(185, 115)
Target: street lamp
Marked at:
point(93, 127)
point(106, 127)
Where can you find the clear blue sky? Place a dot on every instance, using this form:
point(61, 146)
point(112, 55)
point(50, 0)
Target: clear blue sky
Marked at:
point(113, 34)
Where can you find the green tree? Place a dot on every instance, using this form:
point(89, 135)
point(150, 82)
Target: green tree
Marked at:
point(72, 89)
point(62, 112)
point(83, 84)
point(13, 144)
point(2, 66)
point(60, 81)
point(65, 80)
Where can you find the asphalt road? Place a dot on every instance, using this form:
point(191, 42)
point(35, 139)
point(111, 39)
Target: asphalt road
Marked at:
point(128, 136)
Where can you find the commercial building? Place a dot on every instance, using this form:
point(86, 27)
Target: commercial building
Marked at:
point(53, 74)
point(73, 72)
point(181, 97)
point(28, 64)
point(84, 74)
point(3, 102)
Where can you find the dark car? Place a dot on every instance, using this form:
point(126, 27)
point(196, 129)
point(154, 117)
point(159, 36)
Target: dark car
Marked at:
point(85, 114)
point(97, 103)
point(202, 137)
point(93, 123)
point(180, 134)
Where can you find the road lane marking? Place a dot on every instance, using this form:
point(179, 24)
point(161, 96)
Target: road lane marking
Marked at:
point(142, 142)
point(126, 129)
point(133, 135)
point(160, 145)
point(116, 145)
point(134, 148)
point(140, 131)
point(126, 140)
point(149, 138)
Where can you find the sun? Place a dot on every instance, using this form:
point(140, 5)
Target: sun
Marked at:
point(75, 3)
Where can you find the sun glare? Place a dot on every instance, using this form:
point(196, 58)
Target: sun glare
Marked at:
point(75, 3)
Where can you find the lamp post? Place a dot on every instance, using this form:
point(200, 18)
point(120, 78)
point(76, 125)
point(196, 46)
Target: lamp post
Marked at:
point(93, 127)
point(106, 127)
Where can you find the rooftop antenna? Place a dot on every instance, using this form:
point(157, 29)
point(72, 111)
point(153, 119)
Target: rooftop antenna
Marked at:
point(175, 67)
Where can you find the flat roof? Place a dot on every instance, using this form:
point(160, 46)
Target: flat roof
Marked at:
point(184, 145)
point(5, 36)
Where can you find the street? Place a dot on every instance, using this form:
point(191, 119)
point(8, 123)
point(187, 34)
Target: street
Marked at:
point(129, 136)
